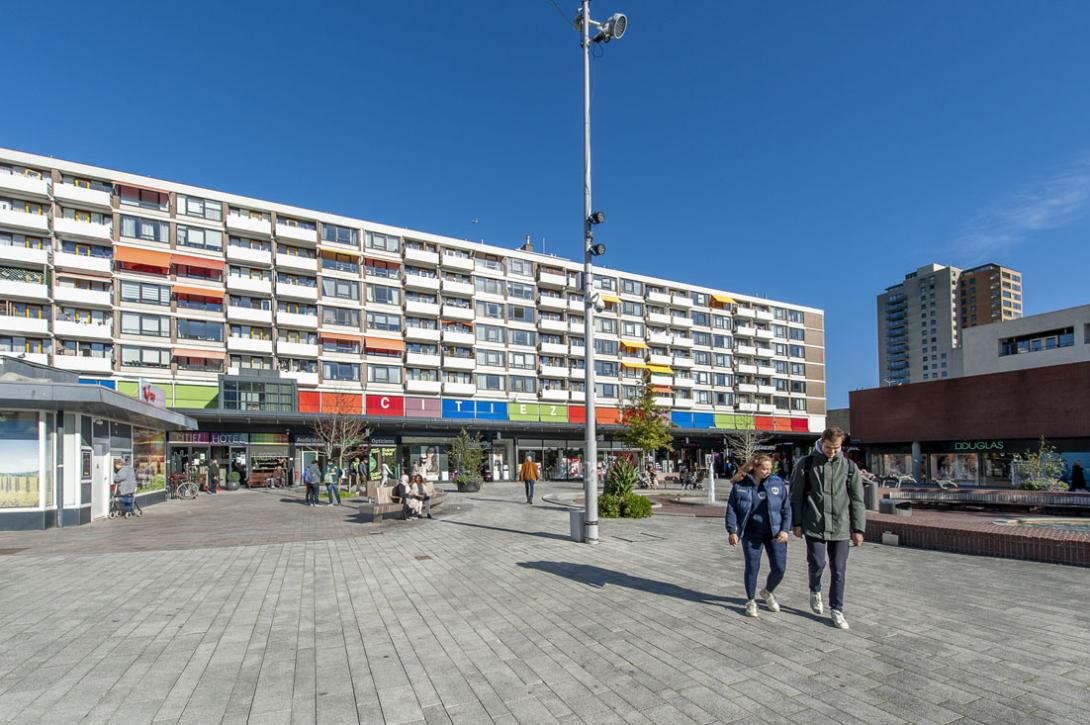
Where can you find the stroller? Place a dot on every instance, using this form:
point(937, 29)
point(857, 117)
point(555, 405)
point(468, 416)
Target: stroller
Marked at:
point(117, 506)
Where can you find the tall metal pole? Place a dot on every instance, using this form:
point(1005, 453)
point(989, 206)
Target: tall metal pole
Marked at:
point(590, 444)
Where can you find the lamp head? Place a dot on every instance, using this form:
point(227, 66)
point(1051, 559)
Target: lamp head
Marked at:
point(597, 249)
point(612, 29)
point(597, 217)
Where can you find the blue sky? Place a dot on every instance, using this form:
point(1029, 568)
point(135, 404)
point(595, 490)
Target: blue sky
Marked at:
point(810, 152)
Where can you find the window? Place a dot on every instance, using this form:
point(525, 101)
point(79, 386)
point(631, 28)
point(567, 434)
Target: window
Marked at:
point(147, 229)
point(9, 308)
point(340, 262)
point(246, 395)
point(299, 280)
point(146, 294)
point(632, 329)
point(798, 386)
point(492, 310)
point(297, 365)
point(794, 316)
point(702, 338)
point(516, 313)
point(606, 390)
point(144, 198)
point(606, 325)
point(148, 357)
point(341, 371)
point(632, 287)
point(798, 334)
point(721, 360)
point(386, 374)
point(340, 316)
point(382, 295)
point(522, 337)
point(488, 262)
point(340, 235)
point(490, 382)
point(701, 319)
point(521, 360)
point(302, 337)
point(520, 384)
point(489, 333)
point(425, 374)
point(520, 268)
point(201, 208)
point(383, 321)
point(798, 404)
point(134, 323)
point(488, 286)
point(342, 289)
point(490, 358)
point(82, 348)
point(200, 330)
point(251, 362)
point(251, 332)
point(1036, 342)
point(701, 357)
point(606, 284)
point(606, 347)
point(252, 273)
point(423, 323)
point(796, 351)
point(200, 238)
point(80, 249)
point(383, 242)
point(798, 368)
point(606, 368)
point(721, 341)
point(13, 239)
point(634, 309)
point(779, 331)
point(345, 347)
point(289, 251)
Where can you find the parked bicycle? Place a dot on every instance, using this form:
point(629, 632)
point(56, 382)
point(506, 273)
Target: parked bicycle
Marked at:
point(183, 485)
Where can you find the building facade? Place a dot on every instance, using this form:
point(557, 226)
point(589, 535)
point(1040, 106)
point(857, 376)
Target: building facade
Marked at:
point(251, 316)
point(921, 319)
point(1051, 338)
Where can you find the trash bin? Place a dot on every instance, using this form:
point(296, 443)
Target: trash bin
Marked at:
point(870, 495)
point(576, 519)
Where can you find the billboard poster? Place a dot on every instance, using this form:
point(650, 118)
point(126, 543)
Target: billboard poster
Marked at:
point(19, 460)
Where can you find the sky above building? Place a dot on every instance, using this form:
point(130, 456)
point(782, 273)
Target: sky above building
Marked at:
point(808, 152)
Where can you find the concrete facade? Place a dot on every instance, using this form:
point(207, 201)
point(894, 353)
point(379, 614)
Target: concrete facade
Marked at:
point(1051, 338)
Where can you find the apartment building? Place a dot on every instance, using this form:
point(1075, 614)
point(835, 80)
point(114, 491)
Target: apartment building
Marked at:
point(237, 309)
point(921, 319)
point(1060, 337)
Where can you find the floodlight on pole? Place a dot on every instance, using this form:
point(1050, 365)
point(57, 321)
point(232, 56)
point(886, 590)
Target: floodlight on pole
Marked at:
point(612, 29)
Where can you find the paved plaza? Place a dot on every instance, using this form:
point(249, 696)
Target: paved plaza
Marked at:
point(248, 607)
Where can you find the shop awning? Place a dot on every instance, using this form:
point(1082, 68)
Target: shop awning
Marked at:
point(199, 291)
point(634, 344)
point(612, 299)
point(148, 257)
point(206, 354)
point(339, 336)
point(660, 369)
point(200, 262)
point(633, 365)
point(723, 299)
point(383, 343)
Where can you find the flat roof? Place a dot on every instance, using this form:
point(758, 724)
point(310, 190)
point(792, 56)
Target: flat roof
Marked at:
point(90, 400)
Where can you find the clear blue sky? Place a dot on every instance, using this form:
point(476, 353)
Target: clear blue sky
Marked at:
point(810, 152)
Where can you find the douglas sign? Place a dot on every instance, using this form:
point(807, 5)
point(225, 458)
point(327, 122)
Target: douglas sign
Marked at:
point(978, 445)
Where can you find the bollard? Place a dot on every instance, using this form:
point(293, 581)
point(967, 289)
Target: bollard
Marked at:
point(576, 519)
point(870, 495)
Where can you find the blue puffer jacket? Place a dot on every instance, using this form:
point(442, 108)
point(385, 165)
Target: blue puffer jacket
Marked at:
point(743, 499)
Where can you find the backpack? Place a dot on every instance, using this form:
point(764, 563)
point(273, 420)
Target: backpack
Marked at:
point(308, 475)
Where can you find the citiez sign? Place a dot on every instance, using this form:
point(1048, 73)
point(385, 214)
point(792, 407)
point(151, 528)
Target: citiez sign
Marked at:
point(978, 445)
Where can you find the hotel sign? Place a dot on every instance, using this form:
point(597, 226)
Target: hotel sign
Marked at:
point(978, 445)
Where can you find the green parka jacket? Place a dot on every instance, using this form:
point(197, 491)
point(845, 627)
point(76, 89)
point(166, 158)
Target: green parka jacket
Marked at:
point(827, 497)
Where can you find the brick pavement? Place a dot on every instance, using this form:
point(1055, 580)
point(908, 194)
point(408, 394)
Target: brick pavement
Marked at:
point(247, 608)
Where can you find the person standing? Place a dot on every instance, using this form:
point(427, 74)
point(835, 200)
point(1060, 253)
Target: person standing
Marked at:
point(759, 516)
point(387, 474)
point(1078, 477)
point(333, 483)
point(827, 508)
point(126, 485)
point(312, 475)
point(528, 474)
point(213, 476)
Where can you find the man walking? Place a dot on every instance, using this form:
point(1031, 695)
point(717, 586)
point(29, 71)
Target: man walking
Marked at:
point(528, 474)
point(312, 474)
point(333, 483)
point(827, 508)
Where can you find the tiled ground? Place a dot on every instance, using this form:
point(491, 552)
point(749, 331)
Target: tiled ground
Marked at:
point(248, 607)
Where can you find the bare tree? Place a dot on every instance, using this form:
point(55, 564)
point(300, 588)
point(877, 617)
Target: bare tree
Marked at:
point(341, 428)
point(746, 444)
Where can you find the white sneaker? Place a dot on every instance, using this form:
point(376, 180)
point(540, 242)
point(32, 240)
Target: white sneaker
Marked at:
point(770, 600)
point(838, 619)
point(751, 608)
point(816, 604)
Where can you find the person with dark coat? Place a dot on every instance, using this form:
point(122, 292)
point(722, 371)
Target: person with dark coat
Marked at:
point(1078, 477)
point(213, 476)
point(759, 517)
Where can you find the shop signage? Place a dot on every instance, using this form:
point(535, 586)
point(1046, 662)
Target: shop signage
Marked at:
point(491, 410)
point(393, 405)
point(277, 439)
point(389, 441)
point(208, 438)
point(455, 408)
point(978, 445)
point(423, 408)
point(523, 412)
point(152, 394)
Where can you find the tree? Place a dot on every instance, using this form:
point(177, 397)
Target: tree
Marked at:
point(467, 456)
point(647, 426)
point(341, 428)
point(1040, 470)
point(746, 444)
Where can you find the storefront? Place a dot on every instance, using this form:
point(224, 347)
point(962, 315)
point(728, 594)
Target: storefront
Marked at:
point(987, 463)
point(248, 458)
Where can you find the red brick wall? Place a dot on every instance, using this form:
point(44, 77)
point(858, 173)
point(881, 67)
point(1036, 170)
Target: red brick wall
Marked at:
point(1051, 401)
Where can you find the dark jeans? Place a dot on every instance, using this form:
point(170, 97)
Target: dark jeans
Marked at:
point(529, 489)
point(836, 552)
point(752, 547)
point(312, 493)
point(129, 501)
point(332, 490)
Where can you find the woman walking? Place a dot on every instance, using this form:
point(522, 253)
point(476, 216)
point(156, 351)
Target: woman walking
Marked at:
point(759, 516)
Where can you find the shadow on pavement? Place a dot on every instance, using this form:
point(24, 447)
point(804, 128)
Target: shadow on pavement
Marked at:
point(539, 534)
point(599, 577)
point(521, 503)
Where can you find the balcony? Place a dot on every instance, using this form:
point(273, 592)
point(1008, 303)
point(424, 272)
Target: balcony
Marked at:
point(662, 379)
point(747, 407)
point(83, 364)
point(296, 234)
point(660, 298)
point(547, 325)
point(684, 322)
point(27, 222)
point(747, 312)
point(637, 361)
point(83, 297)
point(456, 337)
point(78, 195)
point(84, 230)
point(296, 291)
point(577, 396)
point(249, 314)
point(577, 351)
point(24, 325)
point(296, 263)
point(766, 389)
point(82, 263)
point(424, 386)
point(575, 304)
point(253, 285)
point(451, 312)
point(23, 255)
point(745, 350)
point(296, 349)
point(660, 338)
point(421, 283)
point(460, 389)
point(765, 370)
point(683, 402)
point(764, 315)
point(664, 401)
point(23, 290)
point(451, 362)
point(578, 327)
point(453, 287)
point(82, 330)
point(422, 334)
point(683, 362)
point(764, 334)
point(247, 255)
point(247, 226)
point(681, 301)
point(554, 348)
point(554, 394)
point(461, 264)
point(745, 331)
point(35, 357)
point(292, 319)
point(658, 318)
point(682, 341)
point(24, 185)
point(422, 309)
point(766, 408)
point(684, 382)
point(659, 359)
point(422, 360)
point(552, 279)
point(553, 371)
point(746, 368)
point(302, 378)
point(249, 344)
point(422, 256)
point(552, 304)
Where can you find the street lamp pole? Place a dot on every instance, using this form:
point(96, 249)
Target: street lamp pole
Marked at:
point(611, 29)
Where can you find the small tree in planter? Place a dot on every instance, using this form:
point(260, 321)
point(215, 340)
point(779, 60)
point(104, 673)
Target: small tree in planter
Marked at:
point(467, 456)
point(647, 426)
point(618, 500)
point(1040, 470)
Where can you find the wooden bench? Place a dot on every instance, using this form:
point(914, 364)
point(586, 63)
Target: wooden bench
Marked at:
point(382, 501)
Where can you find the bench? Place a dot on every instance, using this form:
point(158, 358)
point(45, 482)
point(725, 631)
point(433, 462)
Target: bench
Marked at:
point(382, 501)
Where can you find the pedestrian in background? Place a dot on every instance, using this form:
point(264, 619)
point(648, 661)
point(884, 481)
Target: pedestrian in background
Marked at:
point(126, 485)
point(312, 475)
point(759, 517)
point(529, 474)
point(1078, 477)
point(213, 476)
point(333, 483)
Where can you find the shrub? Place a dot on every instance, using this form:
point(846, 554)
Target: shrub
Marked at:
point(609, 506)
point(622, 478)
point(635, 506)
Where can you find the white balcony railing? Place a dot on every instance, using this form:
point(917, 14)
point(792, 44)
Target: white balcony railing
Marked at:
point(421, 334)
point(296, 291)
point(296, 263)
point(421, 283)
point(551, 279)
point(24, 185)
point(422, 360)
point(82, 330)
point(458, 338)
point(296, 349)
point(462, 289)
point(459, 389)
point(548, 325)
point(293, 319)
point(86, 230)
point(249, 314)
point(554, 394)
point(421, 256)
point(24, 325)
point(81, 263)
point(249, 344)
point(451, 312)
point(249, 226)
point(554, 348)
point(249, 284)
point(84, 197)
point(23, 290)
point(451, 362)
point(553, 371)
point(454, 262)
point(22, 220)
point(423, 386)
point(296, 234)
point(23, 255)
point(84, 364)
point(301, 377)
point(83, 297)
point(558, 304)
point(260, 257)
